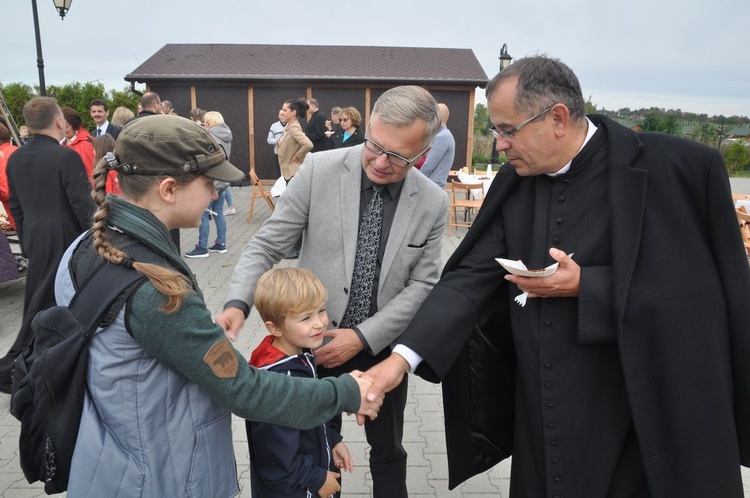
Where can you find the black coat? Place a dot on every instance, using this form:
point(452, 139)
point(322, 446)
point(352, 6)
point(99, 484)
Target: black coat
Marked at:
point(680, 285)
point(112, 130)
point(316, 131)
point(50, 199)
point(338, 139)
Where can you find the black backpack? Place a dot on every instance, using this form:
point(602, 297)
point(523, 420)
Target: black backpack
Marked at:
point(49, 377)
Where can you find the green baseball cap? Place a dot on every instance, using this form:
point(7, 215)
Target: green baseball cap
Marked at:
point(170, 145)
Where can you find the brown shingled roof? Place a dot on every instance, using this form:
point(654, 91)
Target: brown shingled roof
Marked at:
point(176, 62)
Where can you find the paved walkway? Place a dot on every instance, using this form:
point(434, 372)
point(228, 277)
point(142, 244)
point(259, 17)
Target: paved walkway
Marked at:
point(423, 433)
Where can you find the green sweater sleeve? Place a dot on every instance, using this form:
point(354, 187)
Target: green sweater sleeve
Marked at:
point(188, 341)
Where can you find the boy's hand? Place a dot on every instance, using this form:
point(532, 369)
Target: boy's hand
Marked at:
point(342, 459)
point(331, 485)
point(231, 320)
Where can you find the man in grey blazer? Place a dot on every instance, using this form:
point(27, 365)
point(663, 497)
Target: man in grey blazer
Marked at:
point(326, 202)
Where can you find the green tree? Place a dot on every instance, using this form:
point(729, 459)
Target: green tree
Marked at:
point(664, 123)
point(481, 120)
point(736, 157)
point(78, 96)
point(75, 95)
point(16, 95)
point(670, 125)
point(650, 122)
point(123, 98)
point(706, 134)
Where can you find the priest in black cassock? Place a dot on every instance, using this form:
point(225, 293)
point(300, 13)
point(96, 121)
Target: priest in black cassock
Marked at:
point(50, 199)
point(627, 372)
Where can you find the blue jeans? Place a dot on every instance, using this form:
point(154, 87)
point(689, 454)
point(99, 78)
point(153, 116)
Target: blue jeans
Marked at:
point(221, 225)
point(228, 197)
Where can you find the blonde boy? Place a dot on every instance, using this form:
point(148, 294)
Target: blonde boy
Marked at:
point(289, 462)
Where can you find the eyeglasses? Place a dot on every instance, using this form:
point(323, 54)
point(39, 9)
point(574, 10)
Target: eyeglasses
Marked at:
point(341, 120)
point(393, 158)
point(511, 134)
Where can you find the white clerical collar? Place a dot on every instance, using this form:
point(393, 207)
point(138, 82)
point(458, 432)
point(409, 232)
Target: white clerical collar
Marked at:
point(590, 133)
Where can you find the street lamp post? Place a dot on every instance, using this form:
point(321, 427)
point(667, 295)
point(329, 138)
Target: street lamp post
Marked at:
point(505, 59)
point(62, 7)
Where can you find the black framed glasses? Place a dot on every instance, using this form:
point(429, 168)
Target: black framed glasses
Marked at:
point(511, 134)
point(392, 157)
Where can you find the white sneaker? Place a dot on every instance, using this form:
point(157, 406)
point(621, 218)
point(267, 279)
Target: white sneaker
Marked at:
point(230, 210)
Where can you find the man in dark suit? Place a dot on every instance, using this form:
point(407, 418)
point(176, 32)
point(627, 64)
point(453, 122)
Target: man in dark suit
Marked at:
point(328, 200)
point(626, 373)
point(100, 114)
point(316, 127)
point(50, 200)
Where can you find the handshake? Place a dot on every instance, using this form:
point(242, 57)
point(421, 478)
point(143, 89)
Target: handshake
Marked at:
point(375, 382)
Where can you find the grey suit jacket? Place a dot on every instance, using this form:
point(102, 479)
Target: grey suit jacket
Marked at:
point(323, 202)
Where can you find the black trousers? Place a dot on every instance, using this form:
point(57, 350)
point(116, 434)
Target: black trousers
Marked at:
point(385, 433)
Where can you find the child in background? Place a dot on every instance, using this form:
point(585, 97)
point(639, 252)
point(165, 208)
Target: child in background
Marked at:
point(103, 144)
point(289, 462)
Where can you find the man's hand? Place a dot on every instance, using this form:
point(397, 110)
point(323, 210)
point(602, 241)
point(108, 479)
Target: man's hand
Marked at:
point(231, 320)
point(385, 376)
point(369, 403)
point(565, 282)
point(344, 345)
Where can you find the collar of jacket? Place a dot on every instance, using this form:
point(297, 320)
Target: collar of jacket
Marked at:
point(267, 356)
point(142, 225)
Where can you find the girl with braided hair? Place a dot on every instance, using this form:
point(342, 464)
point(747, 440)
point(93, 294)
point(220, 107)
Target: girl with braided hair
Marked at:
point(162, 378)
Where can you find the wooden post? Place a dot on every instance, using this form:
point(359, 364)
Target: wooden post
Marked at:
point(251, 127)
point(367, 106)
point(470, 130)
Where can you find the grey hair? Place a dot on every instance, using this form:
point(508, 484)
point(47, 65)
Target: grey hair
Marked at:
point(542, 82)
point(403, 105)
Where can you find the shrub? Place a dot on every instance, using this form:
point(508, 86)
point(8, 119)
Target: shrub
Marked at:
point(481, 152)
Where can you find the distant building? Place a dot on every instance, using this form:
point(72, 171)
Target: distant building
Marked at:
point(249, 83)
point(739, 132)
point(689, 130)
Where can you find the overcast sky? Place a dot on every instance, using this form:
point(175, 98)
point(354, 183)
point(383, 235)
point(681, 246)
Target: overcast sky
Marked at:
point(686, 54)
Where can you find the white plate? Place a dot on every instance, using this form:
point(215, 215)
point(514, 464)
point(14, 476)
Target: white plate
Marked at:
point(518, 268)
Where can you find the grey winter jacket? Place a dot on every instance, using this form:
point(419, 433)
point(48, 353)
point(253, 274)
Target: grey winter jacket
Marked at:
point(146, 430)
point(223, 136)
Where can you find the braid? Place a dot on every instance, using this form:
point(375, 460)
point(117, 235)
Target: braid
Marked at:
point(173, 284)
point(99, 228)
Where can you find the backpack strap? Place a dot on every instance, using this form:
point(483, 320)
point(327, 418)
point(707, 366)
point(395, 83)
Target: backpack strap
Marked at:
point(96, 302)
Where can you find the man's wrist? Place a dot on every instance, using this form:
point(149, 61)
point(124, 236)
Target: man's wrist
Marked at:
point(412, 358)
point(360, 335)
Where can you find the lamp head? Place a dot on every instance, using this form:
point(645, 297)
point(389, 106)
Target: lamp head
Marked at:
point(62, 6)
point(505, 58)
